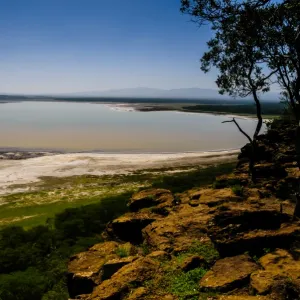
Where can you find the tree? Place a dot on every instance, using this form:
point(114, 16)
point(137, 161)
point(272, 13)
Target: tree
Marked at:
point(235, 53)
point(256, 43)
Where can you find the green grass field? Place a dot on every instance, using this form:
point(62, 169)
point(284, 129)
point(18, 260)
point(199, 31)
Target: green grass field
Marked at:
point(53, 195)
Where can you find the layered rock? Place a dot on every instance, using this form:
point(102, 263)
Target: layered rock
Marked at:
point(229, 273)
point(239, 230)
point(84, 269)
point(88, 269)
point(129, 226)
point(160, 198)
point(119, 284)
point(179, 230)
point(277, 266)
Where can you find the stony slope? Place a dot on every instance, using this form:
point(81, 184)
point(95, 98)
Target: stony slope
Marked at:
point(233, 240)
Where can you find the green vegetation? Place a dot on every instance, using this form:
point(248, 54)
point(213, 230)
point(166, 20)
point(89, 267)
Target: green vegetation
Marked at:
point(33, 260)
point(186, 285)
point(53, 195)
point(238, 190)
point(205, 250)
point(268, 109)
point(122, 252)
point(224, 183)
point(180, 182)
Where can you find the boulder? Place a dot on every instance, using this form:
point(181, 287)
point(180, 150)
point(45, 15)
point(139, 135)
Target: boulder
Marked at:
point(192, 262)
point(149, 198)
point(194, 203)
point(129, 226)
point(84, 269)
point(255, 241)
point(159, 255)
point(286, 289)
point(179, 230)
point(251, 227)
point(229, 273)
point(250, 219)
point(118, 286)
point(138, 294)
point(113, 265)
point(214, 197)
point(276, 266)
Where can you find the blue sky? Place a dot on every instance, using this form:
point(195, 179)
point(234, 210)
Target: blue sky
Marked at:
point(57, 46)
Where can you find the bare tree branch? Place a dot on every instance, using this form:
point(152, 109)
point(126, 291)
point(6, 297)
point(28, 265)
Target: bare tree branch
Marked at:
point(239, 128)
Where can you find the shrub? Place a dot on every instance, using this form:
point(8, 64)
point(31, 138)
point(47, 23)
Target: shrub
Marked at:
point(33, 262)
point(224, 183)
point(206, 250)
point(178, 183)
point(238, 190)
point(122, 251)
point(187, 284)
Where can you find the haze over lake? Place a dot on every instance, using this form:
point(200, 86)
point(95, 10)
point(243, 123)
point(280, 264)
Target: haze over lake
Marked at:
point(99, 127)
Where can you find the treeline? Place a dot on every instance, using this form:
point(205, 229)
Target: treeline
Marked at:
point(267, 108)
point(33, 262)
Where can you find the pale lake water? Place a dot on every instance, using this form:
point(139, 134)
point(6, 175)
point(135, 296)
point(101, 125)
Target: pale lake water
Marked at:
point(98, 127)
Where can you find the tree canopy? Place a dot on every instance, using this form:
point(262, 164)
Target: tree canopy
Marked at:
point(256, 43)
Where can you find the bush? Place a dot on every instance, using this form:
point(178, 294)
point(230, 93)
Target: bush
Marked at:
point(33, 263)
point(30, 284)
point(238, 190)
point(187, 284)
point(178, 183)
point(122, 252)
point(224, 183)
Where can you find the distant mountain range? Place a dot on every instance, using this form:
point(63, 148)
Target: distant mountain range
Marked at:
point(180, 93)
point(144, 92)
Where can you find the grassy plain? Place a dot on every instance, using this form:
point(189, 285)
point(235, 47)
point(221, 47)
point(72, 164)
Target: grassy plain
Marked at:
point(52, 195)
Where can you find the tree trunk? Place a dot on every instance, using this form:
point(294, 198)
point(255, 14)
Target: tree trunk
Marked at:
point(252, 162)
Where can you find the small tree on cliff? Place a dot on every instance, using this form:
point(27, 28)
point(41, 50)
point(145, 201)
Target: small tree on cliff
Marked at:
point(233, 51)
point(268, 30)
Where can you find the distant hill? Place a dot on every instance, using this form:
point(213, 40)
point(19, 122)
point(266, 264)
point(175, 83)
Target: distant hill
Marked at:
point(143, 92)
point(180, 93)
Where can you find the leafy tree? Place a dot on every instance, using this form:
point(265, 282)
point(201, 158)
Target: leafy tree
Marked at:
point(256, 43)
point(234, 51)
point(30, 284)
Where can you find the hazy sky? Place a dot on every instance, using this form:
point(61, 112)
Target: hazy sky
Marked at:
point(53, 46)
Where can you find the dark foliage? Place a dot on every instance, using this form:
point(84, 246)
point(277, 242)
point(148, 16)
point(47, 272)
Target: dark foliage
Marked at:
point(33, 262)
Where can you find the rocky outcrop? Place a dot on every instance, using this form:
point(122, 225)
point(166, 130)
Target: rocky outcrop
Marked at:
point(229, 273)
point(269, 170)
point(192, 262)
point(277, 266)
point(152, 197)
point(179, 230)
point(159, 255)
point(178, 237)
point(214, 197)
point(84, 269)
point(239, 230)
point(118, 286)
point(129, 226)
point(113, 265)
point(138, 294)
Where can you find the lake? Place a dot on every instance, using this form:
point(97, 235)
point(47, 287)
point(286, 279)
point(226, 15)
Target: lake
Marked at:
point(99, 127)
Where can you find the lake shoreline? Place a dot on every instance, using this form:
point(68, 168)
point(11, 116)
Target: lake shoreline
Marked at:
point(15, 175)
